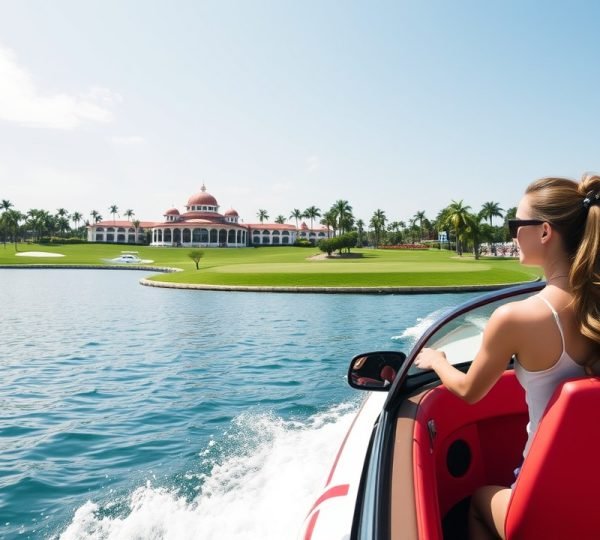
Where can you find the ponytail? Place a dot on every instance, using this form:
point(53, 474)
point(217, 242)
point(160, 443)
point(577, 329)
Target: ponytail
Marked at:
point(585, 270)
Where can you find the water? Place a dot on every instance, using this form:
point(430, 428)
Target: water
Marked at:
point(130, 412)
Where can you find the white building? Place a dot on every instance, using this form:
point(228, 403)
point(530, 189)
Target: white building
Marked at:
point(201, 225)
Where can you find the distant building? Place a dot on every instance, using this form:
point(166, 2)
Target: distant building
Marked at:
point(201, 225)
point(118, 231)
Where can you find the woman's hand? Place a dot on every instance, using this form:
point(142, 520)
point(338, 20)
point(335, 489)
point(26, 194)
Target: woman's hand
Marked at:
point(427, 358)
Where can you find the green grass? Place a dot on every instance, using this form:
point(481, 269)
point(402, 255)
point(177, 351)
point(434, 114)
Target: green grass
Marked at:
point(292, 267)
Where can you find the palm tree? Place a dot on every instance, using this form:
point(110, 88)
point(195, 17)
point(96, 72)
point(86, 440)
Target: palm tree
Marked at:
point(343, 212)
point(378, 223)
point(39, 221)
point(63, 224)
point(94, 214)
point(312, 212)
point(129, 214)
point(511, 213)
point(491, 210)
point(456, 215)
point(62, 212)
point(11, 219)
point(395, 228)
point(113, 209)
point(329, 219)
point(49, 222)
point(5, 205)
point(360, 225)
point(473, 232)
point(280, 219)
point(420, 216)
point(76, 217)
point(296, 214)
point(262, 215)
point(136, 226)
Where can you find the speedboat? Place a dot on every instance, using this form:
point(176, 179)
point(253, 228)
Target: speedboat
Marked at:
point(127, 258)
point(415, 453)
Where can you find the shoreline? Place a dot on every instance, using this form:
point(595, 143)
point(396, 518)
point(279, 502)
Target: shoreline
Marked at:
point(336, 290)
point(50, 266)
point(269, 289)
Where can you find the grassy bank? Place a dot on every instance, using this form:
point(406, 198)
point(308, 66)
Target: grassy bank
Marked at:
point(294, 267)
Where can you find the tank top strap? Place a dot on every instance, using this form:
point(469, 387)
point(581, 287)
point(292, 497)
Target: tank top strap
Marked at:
point(556, 318)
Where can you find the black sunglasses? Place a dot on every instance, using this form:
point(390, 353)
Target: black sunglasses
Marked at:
point(514, 224)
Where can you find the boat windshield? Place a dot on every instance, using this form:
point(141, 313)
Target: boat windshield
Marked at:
point(460, 338)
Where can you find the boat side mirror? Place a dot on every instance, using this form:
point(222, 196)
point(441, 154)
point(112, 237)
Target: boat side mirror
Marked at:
point(375, 370)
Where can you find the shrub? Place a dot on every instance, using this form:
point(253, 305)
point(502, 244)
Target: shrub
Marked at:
point(45, 240)
point(301, 242)
point(405, 246)
point(344, 241)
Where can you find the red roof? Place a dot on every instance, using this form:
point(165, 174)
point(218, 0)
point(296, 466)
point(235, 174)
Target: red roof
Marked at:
point(231, 212)
point(202, 198)
point(171, 212)
point(272, 226)
point(118, 223)
point(194, 223)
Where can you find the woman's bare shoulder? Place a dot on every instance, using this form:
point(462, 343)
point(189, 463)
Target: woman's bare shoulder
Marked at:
point(521, 311)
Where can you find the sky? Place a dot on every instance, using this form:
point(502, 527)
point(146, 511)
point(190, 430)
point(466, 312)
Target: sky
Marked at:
point(399, 105)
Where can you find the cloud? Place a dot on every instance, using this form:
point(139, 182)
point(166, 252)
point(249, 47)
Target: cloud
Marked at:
point(312, 164)
point(22, 103)
point(125, 141)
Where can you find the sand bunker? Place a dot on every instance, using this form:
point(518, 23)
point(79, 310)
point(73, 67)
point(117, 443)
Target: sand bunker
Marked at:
point(38, 254)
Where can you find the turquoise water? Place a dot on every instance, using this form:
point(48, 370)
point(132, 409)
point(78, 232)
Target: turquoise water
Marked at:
point(134, 412)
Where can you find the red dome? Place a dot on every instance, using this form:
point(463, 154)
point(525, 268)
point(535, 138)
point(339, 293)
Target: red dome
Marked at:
point(202, 198)
point(231, 212)
point(171, 212)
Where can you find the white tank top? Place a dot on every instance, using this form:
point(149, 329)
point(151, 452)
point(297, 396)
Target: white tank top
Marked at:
point(540, 385)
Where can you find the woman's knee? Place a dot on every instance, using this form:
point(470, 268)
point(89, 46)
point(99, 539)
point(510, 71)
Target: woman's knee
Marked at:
point(488, 508)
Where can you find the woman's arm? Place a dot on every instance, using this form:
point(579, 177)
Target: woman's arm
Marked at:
point(500, 342)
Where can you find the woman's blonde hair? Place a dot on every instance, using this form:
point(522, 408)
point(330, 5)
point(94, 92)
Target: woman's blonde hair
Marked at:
point(573, 209)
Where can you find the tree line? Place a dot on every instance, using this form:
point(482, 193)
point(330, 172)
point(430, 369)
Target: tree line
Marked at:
point(37, 224)
point(462, 227)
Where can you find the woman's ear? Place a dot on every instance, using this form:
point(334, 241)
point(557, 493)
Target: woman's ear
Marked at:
point(546, 232)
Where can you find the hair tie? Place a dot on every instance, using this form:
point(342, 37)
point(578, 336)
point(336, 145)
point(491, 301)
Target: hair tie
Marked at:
point(592, 198)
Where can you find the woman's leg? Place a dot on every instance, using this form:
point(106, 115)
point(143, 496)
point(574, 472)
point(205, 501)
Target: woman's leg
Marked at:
point(488, 512)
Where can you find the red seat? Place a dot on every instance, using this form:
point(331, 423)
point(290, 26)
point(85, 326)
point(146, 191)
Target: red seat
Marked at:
point(556, 495)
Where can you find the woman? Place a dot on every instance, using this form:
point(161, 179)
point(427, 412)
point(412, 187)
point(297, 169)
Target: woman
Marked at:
point(553, 335)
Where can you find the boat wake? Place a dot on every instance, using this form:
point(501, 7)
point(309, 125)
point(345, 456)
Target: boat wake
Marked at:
point(261, 486)
point(411, 334)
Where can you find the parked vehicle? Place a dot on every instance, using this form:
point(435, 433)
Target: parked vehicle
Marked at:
point(415, 452)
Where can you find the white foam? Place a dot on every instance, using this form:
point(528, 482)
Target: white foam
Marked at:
point(263, 490)
point(411, 334)
point(38, 254)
